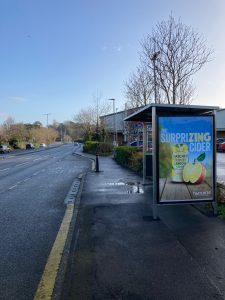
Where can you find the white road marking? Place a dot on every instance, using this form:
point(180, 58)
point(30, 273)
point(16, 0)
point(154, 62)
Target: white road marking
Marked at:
point(4, 169)
point(19, 182)
point(27, 179)
point(22, 164)
point(34, 174)
point(12, 187)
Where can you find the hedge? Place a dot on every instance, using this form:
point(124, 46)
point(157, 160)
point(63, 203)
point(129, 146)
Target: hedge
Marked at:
point(130, 157)
point(94, 147)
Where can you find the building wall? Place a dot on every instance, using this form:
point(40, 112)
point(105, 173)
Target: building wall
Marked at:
point(220, 123)
point(220, 119)
point(122, 129)
point(128, 131)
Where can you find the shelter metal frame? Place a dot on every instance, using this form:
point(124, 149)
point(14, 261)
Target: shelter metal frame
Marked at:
point(150, 113)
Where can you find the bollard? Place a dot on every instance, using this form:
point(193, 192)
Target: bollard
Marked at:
point(96, 164)
point(138, 187)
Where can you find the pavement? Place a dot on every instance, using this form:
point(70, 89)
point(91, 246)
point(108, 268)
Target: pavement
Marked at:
point(119, 251)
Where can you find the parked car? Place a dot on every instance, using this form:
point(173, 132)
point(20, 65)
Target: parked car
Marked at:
point(137, 144)
point(4, 149)
point(140, 145)
point(42, 145)
point(221, 147)
point(218, 142)
point(29, 146)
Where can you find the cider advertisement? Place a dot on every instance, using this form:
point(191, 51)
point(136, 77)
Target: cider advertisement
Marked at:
point(186, 152)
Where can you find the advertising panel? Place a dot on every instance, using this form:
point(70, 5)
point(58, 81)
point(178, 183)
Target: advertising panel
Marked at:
point(185, 159)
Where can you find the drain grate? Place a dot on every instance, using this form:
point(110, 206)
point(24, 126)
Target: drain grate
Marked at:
point(71, 196)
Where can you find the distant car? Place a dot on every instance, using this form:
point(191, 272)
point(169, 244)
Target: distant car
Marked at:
point(221, 147)
point(29, 146)
point(42, 145)
point(218, 142)
point(136, 144)
point(140, 145)
point(4, 149)
point(76, 144)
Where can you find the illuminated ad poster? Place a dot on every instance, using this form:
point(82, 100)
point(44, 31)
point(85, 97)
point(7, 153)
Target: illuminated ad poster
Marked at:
point(185, 159)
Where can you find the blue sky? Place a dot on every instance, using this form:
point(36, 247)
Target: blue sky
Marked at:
point(55, 55)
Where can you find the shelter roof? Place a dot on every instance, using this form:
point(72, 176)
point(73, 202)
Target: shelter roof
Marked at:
point(145, 113)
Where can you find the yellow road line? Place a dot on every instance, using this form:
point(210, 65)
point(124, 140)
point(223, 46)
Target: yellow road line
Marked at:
point(47, 283)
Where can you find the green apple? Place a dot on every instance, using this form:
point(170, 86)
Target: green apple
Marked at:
point(194, 172)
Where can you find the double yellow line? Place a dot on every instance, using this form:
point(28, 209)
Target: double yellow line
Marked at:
point(47, 283)
point(48, 279)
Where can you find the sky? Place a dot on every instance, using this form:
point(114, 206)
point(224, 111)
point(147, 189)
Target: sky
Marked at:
point(57, 55)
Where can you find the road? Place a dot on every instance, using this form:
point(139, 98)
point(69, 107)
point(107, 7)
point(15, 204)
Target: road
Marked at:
point(33, 187)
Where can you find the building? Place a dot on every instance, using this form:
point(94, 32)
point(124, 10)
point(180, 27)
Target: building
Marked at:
point(126, 132)
point(120, 131)
point(220, 123)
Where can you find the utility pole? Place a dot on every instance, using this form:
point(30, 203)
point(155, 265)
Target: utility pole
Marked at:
point(61, 133)
point(47, 118)
point(47, 126)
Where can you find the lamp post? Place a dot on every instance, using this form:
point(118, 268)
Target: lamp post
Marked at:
point(154, 58)
point(116, 127)
point(114, 122)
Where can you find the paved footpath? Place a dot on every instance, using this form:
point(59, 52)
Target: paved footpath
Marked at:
point(121, 253)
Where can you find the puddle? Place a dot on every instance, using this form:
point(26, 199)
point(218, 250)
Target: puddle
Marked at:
point(132, 187)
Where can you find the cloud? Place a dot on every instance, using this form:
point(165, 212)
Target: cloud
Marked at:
point(104, 48)
point(17, 99)
point(117, 48)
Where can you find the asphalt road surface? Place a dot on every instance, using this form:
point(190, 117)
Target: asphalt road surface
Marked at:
point(33, 186)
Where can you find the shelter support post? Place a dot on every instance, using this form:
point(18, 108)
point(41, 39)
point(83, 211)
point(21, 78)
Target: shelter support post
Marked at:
point(214, 204)
point(154, 136)
point(144, 150)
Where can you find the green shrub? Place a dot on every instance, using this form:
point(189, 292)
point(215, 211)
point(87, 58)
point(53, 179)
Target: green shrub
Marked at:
point(94, 147)
point(130, 157)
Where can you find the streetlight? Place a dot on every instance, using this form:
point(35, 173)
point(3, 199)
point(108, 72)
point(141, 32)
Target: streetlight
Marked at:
point(116, 126)
point(114, 122)
point(154, 58)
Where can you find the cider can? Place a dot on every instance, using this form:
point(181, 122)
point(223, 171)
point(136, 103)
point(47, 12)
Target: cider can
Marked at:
point(179, 160)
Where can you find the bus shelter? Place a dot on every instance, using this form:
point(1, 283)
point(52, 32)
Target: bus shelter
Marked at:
point(183, 157)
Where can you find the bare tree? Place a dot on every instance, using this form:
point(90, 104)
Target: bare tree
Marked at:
point(100, 107)
point(182, 54)
point(88, 118)
point(87, 121)
point(139, 88)
point(8, 122)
